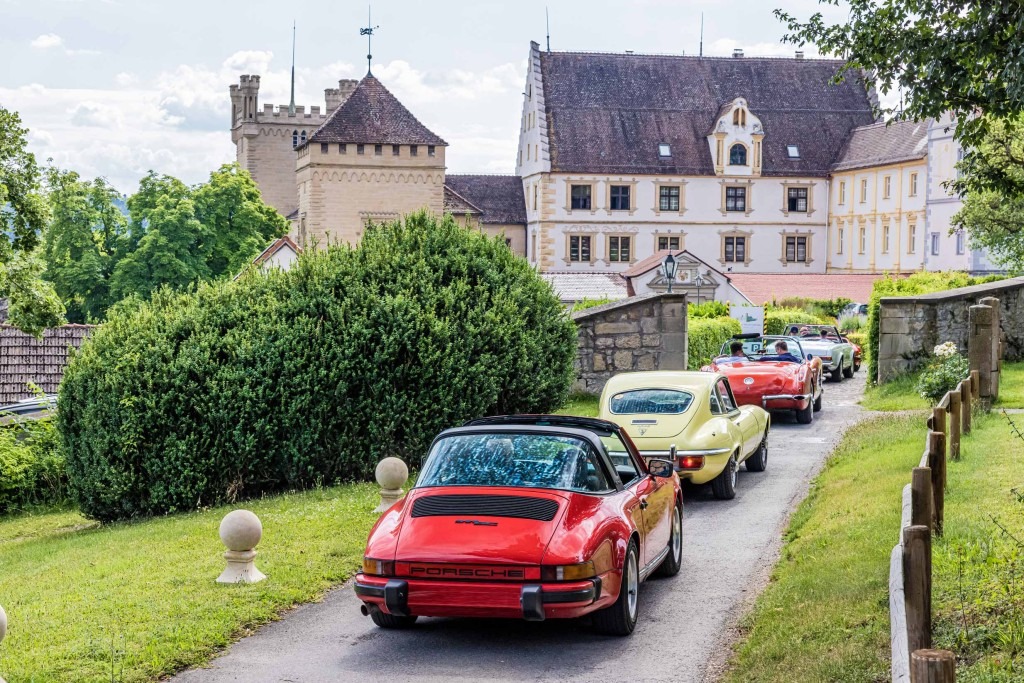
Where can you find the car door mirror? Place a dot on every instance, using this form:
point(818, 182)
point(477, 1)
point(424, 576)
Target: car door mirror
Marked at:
point(660, 468)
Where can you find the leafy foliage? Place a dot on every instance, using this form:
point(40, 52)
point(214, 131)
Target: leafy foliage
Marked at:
point(823, 308)
point(584, 304)
point(294, 378)
point(776, 319)
point(708, 309)
point(31, 467)
point(944, 372)
point(705, 337)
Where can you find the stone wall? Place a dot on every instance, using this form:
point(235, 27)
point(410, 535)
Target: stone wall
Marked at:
point(639, 333)
point(911, 326)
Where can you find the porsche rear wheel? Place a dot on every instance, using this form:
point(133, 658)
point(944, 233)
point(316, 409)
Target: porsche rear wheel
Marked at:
point(674, 560)
point(806, 415)
point(848, 372)
point(759, 460)
point(724, 485)
point(385, 620)
point(837, 374)
point(619, 619)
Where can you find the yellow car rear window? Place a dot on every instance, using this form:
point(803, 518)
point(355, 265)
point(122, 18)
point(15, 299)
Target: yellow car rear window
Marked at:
point(651, 401)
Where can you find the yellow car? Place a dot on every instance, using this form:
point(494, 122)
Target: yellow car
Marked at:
point(692, 419)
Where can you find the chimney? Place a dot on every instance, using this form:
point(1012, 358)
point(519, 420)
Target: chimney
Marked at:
point(737, 52)
point(799, 54)
point(335, 97)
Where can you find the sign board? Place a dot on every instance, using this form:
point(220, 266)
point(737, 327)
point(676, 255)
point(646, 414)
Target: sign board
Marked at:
point(751, 318)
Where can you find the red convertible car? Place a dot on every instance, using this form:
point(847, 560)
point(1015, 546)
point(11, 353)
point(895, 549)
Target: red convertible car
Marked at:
point(761, 376)
point(527, 517)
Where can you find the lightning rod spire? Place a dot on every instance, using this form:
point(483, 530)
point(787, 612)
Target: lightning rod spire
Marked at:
point(291, 105)
point(368, 32)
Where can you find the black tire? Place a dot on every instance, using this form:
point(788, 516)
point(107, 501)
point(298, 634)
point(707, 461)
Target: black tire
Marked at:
point(619, 618)
point(385, 620)
point(817, 401)
point(837, 374)
point(848, 372)
point(856, 367)
point(806, 416)
point(674, 560)
point(759, 460)
point(724, 485)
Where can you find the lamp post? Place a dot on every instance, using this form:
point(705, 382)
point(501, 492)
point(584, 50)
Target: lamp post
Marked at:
point(668, 267)
point(699, 282)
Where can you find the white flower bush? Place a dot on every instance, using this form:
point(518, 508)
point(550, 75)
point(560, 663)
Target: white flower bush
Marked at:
point(946, 349)
point(943, 373)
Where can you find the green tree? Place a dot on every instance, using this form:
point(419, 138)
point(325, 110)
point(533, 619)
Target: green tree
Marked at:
point(996, 223)
point(85, 237)
point(959, 56)
point(33, 305)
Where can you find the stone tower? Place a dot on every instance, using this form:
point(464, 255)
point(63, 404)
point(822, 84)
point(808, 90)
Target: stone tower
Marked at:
point(266, 138)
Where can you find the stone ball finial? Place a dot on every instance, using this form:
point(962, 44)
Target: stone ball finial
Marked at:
point(241, 530)
point(391, 473)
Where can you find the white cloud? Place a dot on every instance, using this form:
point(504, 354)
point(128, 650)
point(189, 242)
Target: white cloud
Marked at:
point(47, 40)
point(126, 79)
point(94, 114)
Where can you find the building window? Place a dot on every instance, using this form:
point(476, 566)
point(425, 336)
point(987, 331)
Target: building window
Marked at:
point(863, 190)
point(886, 187)
point(414, 150)
point(911, 239)
point(797, 199)
point(863, 239)
point(295, 138)
point(302, 138)
point(535, 197)
point(913, 184)
point(960, 242)
point(796, 249)
point(395, 150)
point(735, 249)
point(735, 199)
point(959, 158)
point(619, 198)
point(430, 151)
point(342, 148)
point(668, 198)
point(619, 250)
point(793, 151)
point(668, 242)
point(579, 196)
point(325, 148)
point(739, 117)
point(664, 150)
point(885, 239)
point(842, 192)
point(579, 248)
point(360, 149)
point(737, 155)
point(935, 244)
point(378, 150)
point(840, 239)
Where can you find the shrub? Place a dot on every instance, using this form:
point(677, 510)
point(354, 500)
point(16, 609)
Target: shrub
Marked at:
point(708, 309)
point(822, 308)
point(851, 323)
point(946, 369)
point(918, 283)
point(705, 337)
point(858, 338)
point(776, 319)
point(584, 304)
point(288, 380)
point(31, 467)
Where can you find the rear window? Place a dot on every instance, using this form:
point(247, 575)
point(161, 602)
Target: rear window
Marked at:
point(656, 401)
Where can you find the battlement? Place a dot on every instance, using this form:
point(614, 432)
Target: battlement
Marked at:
point(280, 111)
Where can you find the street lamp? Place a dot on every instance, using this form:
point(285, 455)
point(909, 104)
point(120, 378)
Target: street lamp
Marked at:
point(699, 282)
point(668, 267)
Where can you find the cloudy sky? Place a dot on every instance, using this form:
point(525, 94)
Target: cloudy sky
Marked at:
point(117, 87)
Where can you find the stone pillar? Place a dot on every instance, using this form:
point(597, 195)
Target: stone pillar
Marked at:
point(674, 352)
point(997, 337)
point(979, 348)
point(241, 531)
point(3, 629)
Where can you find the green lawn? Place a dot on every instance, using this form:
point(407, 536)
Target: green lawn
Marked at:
point(899, 394)
point(134, 602)
point(582, 405)
point(1011, 385)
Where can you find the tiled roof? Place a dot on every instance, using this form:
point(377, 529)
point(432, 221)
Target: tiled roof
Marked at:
point(573, 287)
point(457, 205)
point(373, 115)
point(24, 359)
point(499, 198)
point(607, 113)
point(276, 246)
point(655, 260)
point(764, 288)
point(882, 143)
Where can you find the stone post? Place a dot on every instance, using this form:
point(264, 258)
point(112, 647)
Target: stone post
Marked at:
point(979, 349)
point(391, 474)
point(241, 531)
point(997, 337)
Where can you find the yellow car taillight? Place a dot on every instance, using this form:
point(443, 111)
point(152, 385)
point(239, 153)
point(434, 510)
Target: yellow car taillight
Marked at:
point(568, 572)
point(378, 567)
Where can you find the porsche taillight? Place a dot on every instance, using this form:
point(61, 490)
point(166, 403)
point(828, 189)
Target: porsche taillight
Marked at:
point(378, 567)
point(568, 572)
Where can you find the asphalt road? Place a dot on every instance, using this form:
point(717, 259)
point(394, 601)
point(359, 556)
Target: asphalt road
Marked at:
point(686, 622)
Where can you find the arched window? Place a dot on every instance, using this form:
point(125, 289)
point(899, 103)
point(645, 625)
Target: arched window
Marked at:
point(302, 137)
point(739, 117)
point(737, 155)
point(295, 138)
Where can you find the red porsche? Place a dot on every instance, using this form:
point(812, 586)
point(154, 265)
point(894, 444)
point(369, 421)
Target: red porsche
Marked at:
point(762, 373)
point(526, 517)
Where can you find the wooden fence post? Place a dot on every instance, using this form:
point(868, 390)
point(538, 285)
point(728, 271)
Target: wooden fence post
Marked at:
point(921, 497)
point(975, 385)
point(954, 425)
point(965, 406)
point(937, 463)
point(939, 416)
point(979, 349)
point(932, 666)
point(917, 586)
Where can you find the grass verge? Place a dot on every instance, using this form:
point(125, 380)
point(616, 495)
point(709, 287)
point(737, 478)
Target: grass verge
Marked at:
point(581, 405)
point(136, 601)
point(1011, 386)
point(898, 394)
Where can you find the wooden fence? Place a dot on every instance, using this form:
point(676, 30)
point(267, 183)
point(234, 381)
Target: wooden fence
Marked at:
point(923, 509)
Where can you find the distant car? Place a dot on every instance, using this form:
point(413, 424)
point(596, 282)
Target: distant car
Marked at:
point(761, 378)
point(854, 309)
point(828, 344)
point(693, 419)
point(525, 517)
point(858, 354)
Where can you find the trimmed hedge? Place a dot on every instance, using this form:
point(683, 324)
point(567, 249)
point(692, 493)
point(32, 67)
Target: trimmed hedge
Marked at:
point(776, 319)
point(31, 467)
point(705, 337)
point(311, 376)
point(918, 283)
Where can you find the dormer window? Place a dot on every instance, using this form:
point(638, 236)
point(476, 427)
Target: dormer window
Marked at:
point(739, 117)
point(737, 155)
point(793, 151)
point(664, 150)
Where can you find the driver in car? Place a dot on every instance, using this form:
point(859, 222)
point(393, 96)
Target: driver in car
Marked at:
point(782, 353)
point(736, 354)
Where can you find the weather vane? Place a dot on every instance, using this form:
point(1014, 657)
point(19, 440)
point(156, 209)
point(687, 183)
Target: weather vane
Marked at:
point(368, 32)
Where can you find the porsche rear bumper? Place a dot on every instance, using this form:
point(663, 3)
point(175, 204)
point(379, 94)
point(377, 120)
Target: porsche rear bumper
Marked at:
point(530, 601)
